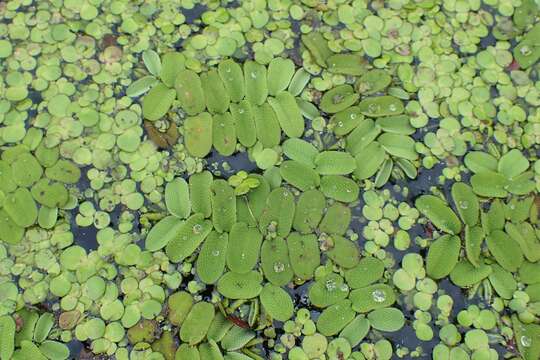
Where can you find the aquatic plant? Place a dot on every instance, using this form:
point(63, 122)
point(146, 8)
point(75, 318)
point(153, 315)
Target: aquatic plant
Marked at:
point(269, 179)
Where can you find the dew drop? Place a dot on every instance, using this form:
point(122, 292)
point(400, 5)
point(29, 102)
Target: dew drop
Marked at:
point(215, 253)
point(464, 204)
point(378, 296)
point(525, 341)
point(279, 267)
point(330, 285)
point(197, 228)
point(253, 75)
point(392, 107)
point(373, 108)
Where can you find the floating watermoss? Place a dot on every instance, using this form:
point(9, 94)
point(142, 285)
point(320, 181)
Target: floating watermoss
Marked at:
point(123, 127)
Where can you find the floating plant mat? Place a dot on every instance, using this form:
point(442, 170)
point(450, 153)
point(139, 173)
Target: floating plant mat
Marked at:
point(269, 180)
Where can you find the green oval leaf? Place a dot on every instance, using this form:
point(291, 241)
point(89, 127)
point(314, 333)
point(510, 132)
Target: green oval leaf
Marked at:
point(443, 255)
point(157, 102)
point(438, 212)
